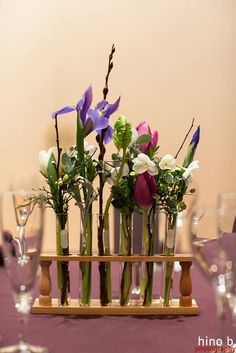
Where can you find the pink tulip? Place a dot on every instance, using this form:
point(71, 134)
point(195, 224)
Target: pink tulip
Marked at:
point(144, 129)
point(144, 189)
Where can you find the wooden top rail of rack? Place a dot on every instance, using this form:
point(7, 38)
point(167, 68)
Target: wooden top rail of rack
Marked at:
point(118, 258)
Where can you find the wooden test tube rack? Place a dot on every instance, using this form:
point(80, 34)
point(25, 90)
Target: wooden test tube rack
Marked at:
point(185, 305)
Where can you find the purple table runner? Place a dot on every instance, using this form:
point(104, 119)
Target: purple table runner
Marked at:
point(105, 334)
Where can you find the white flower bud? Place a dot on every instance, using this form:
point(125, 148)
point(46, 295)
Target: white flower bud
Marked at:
point(44, 157)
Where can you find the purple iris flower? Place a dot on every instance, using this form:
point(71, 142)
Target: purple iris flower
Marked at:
point(107, 109)
point(192, 148)
point(95, 121)
point(92, 119)
point(196, 137)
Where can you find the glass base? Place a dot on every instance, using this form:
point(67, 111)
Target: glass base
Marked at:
point(23, 348)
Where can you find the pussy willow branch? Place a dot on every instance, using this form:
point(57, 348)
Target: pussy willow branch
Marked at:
point(110, 66)
point(185, 138)
point(102, 149)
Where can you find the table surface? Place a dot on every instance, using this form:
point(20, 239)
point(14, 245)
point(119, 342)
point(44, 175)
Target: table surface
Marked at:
point(118, 334)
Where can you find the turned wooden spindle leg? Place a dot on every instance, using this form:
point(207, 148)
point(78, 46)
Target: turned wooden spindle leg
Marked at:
point(185, 284)
point(45, 286)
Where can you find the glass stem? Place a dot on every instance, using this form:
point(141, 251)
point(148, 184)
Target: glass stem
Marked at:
point(21, 243)
point(23, 319)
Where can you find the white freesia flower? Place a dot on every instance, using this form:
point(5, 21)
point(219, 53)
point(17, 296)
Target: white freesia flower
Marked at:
point(114, 172)
point(44, 157)
point(191, 168)
point(89, 148)
point(167, 162)
point(143, 163)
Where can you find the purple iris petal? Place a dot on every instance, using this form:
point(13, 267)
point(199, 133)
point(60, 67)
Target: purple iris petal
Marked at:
point(83, 105)
point(109, 135)
point(99, 121)
point(101, 105)
point(106, 108)
point(111, 108)
point(64, 110)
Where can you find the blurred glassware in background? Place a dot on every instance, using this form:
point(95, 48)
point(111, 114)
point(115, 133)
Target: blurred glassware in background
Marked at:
point(21, 183)
point(209, 252)
point(226, 212)
point(24, 182)
point(182, 227)
point(226, 217)
point(21, 233)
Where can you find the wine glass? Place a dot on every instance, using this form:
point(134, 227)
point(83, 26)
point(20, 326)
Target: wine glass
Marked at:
point(209, 252)
point(226, 212)
point(227, 229)
point(21, 231)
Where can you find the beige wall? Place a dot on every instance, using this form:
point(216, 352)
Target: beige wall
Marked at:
point(175, 60)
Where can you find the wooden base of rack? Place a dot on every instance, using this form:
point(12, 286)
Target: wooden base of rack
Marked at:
point(185, 305)
point(115, 309)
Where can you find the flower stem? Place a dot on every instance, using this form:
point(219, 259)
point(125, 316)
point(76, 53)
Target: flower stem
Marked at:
point(168, 279)
point(63, 278)
point(169, 250)
point(58, 146)
point(126, 249)
point(115, 184)
point(102, 265)
point(86, 267)
point(147, 280)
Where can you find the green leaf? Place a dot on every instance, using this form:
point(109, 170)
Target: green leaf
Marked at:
point(68, 169)
point(75, 193)
point(122, 133)
point(66, 160)
point(181, 206)
point(80, 143)
point(115, 156)
point(143, 139)
point(168, 178)
point(171, 203)
point(52, 169)
point(52, 179)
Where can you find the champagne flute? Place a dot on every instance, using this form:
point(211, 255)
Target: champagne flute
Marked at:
point(209, 252)
point(21, 231)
